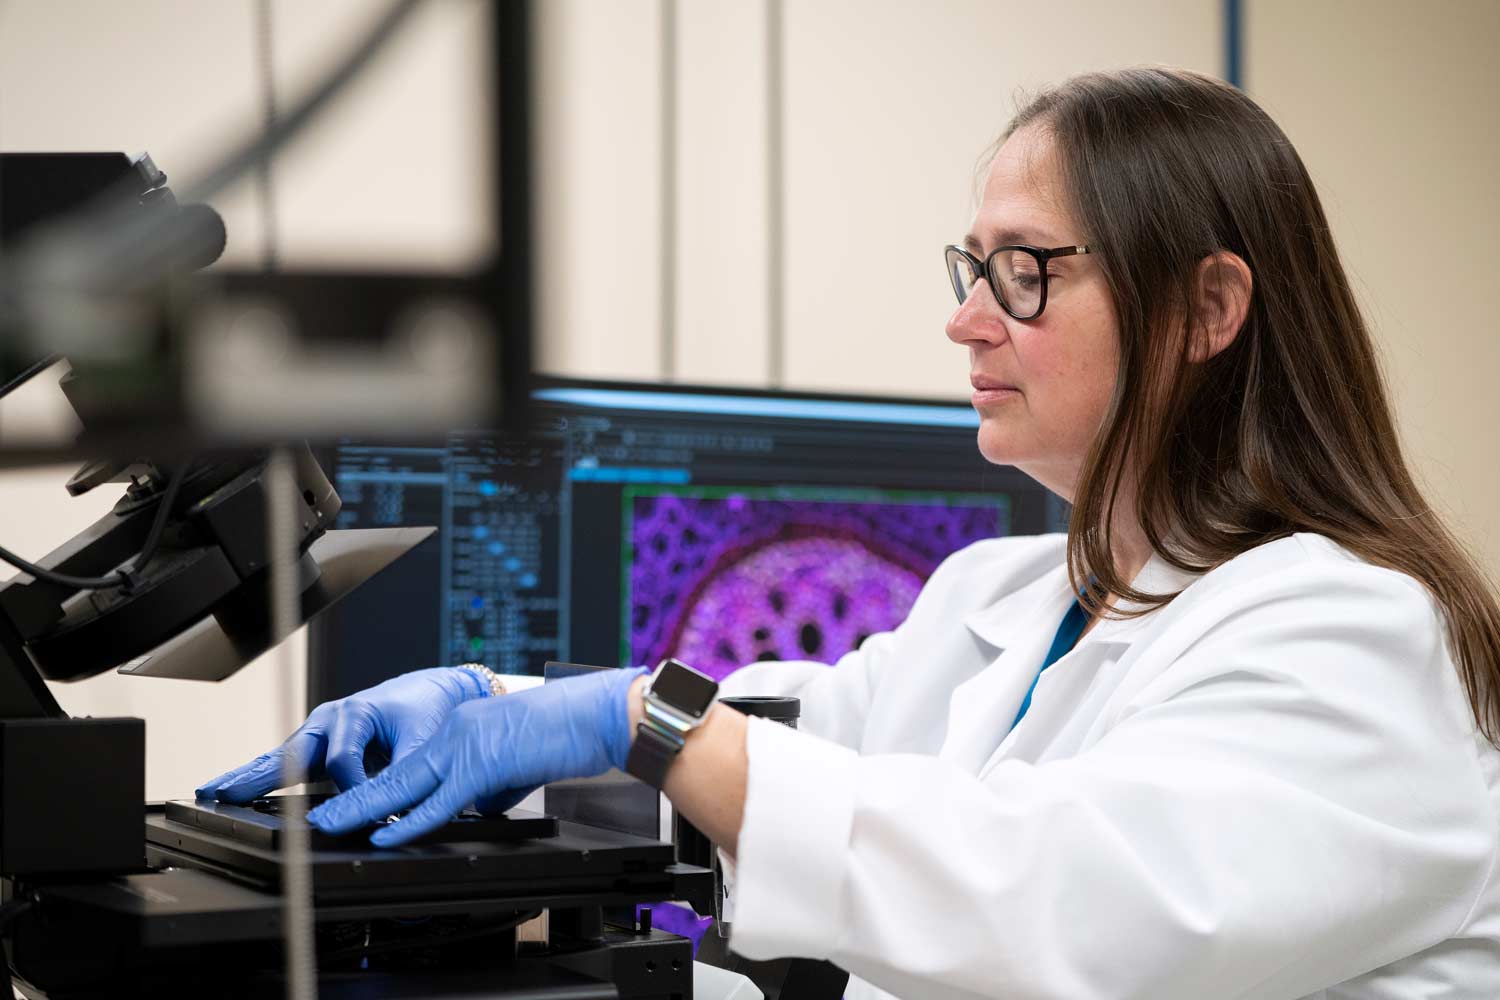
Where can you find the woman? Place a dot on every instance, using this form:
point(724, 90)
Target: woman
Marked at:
point(1231, 736)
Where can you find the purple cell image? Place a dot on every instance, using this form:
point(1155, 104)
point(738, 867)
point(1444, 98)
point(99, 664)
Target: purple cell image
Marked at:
point(721, 580)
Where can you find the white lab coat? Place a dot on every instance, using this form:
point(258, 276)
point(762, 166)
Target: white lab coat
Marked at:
point(1270, 788)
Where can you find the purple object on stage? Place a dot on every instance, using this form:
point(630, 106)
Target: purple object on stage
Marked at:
point(675, 919)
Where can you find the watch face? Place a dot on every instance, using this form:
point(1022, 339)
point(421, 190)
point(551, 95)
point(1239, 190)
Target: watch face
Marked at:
point(684, 688)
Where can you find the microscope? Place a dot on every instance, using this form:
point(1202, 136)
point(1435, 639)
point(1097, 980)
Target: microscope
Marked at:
point(101, 895)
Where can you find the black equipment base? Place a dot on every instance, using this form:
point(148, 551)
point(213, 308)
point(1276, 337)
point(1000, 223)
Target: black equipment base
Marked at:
point(594, 866)
point(619, 963)
point(435, 919)
point(70, 798)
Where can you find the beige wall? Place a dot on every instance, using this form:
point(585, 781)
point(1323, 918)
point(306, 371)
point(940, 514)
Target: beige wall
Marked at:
point(888, 104)
point(1395, 108)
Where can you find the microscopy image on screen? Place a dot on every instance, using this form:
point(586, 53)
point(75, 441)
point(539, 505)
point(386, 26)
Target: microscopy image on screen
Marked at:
point(720, 578)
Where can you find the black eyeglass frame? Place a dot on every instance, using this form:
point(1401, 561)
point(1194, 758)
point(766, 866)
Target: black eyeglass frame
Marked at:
point(982, 269)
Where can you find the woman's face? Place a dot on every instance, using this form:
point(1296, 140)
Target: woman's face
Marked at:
point(1041, 386)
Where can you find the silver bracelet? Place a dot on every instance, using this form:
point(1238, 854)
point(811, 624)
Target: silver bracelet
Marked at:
point(490, 679)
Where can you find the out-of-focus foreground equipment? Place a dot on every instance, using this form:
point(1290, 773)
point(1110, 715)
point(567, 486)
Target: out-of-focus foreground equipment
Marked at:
point(173, 582)
point(164, 355)
point(99, 265)
point(187, 385)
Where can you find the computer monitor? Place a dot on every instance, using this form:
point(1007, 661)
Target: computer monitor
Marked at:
point(634, 522)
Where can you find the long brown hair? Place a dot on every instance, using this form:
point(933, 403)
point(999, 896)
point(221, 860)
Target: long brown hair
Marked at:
point(1289, 428)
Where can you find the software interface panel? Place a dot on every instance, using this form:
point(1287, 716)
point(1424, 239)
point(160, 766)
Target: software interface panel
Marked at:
point(632, 524)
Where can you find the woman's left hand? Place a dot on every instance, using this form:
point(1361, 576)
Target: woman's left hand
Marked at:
point(570, 728)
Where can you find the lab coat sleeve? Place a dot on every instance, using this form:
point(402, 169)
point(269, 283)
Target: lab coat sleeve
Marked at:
point(1295, 799)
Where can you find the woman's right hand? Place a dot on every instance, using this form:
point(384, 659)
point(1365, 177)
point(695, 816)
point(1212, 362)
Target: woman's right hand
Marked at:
point(396, 716)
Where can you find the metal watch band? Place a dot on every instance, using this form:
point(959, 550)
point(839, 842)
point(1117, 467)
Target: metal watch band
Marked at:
point(675, 702)
point(487, 677)
point(652, 754)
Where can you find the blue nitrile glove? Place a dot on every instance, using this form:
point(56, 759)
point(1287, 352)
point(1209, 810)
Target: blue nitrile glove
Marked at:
point(397, 716)
point(571, 728)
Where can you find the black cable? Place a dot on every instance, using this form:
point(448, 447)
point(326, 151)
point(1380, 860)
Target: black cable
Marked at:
point(119, 242)
point(265, 36)
point(121, 578)
point(236, 164)
point(159, 522)
point(61, 579)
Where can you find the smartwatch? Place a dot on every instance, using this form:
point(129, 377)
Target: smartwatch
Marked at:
point(676, 702)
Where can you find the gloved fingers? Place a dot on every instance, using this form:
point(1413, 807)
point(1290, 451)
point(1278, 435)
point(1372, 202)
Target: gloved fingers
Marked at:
point(286, 765)
point(348, 736)
point(436, 810)
point(206, 790)
point(401, 785)
point(347, 772)
point(407, 743)
point(503, 802)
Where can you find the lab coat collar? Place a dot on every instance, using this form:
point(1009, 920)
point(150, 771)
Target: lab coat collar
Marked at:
point(1156, 577)
point(1040, 604)
point(1018, 615)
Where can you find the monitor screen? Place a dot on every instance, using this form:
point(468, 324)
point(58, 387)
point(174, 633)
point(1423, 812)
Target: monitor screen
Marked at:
point(632, 523)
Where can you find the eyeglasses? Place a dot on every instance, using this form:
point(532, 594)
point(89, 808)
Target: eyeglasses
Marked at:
point(1017, 275)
